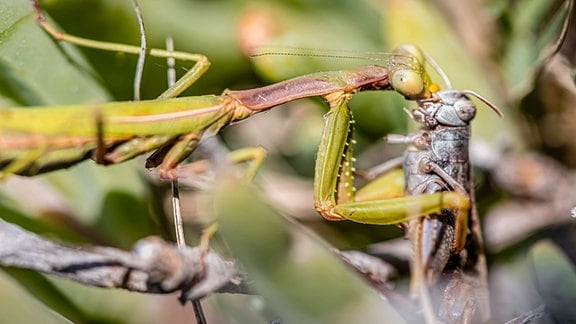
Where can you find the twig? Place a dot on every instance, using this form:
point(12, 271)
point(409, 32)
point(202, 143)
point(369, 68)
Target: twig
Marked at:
point(153, 266)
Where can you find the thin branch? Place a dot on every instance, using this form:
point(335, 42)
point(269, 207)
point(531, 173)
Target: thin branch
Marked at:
point(153, 266)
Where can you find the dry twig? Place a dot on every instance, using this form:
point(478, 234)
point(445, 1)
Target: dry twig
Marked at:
point(153, 266)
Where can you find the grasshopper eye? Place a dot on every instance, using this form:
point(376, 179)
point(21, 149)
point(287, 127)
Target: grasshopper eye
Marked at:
point(465, 109)
point(408, 83)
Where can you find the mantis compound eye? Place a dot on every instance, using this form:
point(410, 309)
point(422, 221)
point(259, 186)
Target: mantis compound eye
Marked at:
point(408, 83)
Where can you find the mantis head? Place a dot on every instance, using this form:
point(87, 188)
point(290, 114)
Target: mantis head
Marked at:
point(408, 75)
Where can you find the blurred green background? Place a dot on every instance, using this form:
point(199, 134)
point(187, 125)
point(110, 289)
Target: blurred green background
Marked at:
point(493, 47)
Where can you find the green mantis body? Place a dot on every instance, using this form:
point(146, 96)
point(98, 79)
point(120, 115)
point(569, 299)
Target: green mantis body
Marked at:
point(39, 139)
point(35, 140)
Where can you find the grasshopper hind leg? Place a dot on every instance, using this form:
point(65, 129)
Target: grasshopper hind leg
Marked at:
point(434, 246)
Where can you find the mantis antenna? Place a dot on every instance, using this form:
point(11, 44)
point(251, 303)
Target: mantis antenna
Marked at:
point(438, 70)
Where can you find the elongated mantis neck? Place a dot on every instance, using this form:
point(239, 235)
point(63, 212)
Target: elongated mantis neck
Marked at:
point(370, 77)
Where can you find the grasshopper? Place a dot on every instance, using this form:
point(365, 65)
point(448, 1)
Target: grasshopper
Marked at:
point(448, 245)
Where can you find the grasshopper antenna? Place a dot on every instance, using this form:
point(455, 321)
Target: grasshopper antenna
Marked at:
point(485, 101)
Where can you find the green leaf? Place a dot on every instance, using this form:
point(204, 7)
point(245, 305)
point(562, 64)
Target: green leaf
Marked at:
point(49, 294)
point(34, 69)
point(296, 274)
point(555, 277)
point(534, 29)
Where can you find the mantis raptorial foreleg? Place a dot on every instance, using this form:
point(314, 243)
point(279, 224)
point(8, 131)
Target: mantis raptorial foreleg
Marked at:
point(438, 207)
point(334, 191)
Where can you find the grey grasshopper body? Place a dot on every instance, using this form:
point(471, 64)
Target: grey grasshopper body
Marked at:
point(447, 245)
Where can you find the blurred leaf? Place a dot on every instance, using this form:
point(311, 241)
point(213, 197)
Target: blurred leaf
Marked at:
point(124, 219)
point(555, 278)
point(55, 77)
point(12, 214)
point(50, 295)
point(87, 185)
point(534, 28)
point(299, 277)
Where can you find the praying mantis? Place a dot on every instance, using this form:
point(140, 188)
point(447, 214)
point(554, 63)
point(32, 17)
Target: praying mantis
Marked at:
point(172, 127)
point(111, 133)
